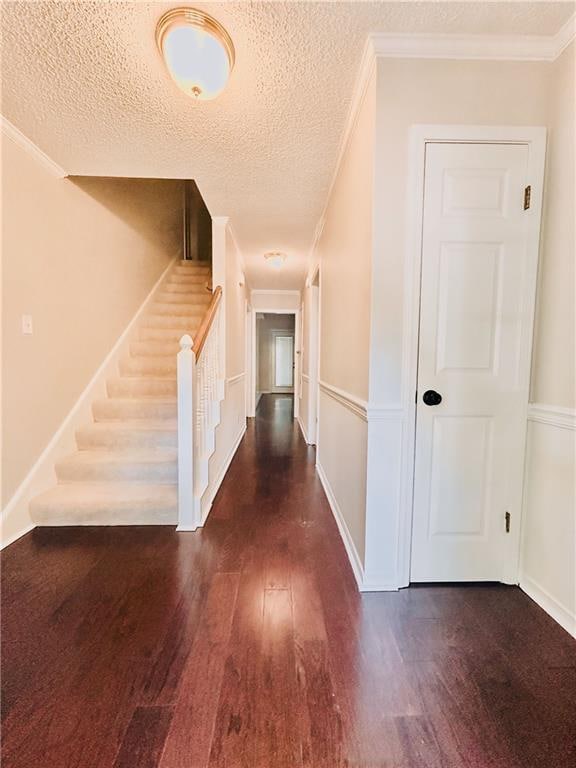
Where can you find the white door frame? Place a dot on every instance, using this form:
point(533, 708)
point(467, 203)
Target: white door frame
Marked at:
point(297, 356)
point(535, 139)
point(275, 333)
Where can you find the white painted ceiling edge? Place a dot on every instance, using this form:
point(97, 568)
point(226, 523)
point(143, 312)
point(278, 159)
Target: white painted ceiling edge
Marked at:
point(423, 46)
point(464, 47)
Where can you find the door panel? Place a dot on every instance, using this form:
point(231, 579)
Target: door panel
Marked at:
point(284, 361)
point(473, 272)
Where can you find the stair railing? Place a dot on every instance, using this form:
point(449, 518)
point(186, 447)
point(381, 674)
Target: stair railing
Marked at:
point(198, 377)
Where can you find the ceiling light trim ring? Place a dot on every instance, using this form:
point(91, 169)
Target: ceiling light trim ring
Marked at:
point(199, 19)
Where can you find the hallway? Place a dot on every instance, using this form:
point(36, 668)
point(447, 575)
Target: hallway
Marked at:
point(246, 644)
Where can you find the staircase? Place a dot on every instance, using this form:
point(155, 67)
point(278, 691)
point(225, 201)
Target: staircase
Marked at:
point(125, 471)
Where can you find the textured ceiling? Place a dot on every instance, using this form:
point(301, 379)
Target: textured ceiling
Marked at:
point(83, 80)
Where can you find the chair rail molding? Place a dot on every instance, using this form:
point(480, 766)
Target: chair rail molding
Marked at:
point(554, 415)
point(365, 410)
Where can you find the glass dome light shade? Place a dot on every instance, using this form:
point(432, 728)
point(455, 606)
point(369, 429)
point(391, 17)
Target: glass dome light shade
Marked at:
point(197, 50)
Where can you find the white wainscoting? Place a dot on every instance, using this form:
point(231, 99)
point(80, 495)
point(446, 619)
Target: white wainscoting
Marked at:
point(359, 465)
point(304, 407)
point(229, 434)
point(548, 548)
point(360, 468)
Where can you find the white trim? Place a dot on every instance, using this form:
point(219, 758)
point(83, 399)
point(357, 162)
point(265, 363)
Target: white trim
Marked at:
point(473, 47)
point(262, 291)
point(210, 493)
point(297, 354)
point(18, 535)
point(41, 475)
point(554, 415)
point(235, 379)
point(535, 138)
point(361, 408)
point(349, 545)
point(565, 36)
point(303, 430)
point(553, 608)
point(354, 404)
point(305, 377)
point(31, 149)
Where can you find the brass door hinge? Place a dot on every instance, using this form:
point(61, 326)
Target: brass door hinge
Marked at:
point(527, 195)
point(507, 520)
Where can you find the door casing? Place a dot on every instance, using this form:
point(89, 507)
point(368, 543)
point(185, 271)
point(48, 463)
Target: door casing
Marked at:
point(535, 139)
point(297, 356)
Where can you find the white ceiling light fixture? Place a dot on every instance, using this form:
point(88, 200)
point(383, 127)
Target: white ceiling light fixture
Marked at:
point(197, 50)
point(275, 258)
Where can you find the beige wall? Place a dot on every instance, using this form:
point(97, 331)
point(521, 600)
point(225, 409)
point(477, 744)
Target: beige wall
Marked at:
point(271, 301)
point(554, 363)
point(344, 251)
point(80, 256)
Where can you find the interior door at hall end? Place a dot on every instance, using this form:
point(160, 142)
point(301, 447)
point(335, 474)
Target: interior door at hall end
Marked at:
point(284, 361)
point(471, 397)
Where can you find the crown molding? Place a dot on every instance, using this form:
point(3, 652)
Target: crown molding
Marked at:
point(565, 36)
point(545, 48)
point(31, 149)
point(474, 47)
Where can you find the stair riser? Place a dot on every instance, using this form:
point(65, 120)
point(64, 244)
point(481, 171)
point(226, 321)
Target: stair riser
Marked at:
point(190, 287)
point(195, 299)
point(148, 366)
point(141, 439)
point(178, 311)
point(167, 334)
point(160, 473)
point(185, 324)
point(44, 515)
point(153, 348)
point(181, 269)
point(135, 387)
point(121, 410)
point(189, 281)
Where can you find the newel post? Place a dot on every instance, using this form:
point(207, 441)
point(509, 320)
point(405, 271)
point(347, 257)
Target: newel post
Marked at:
point(186, 365)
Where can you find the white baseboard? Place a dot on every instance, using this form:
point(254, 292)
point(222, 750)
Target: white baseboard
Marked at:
point(42, 475)
point(303, 430)
point(377, 586)
point(553, 608)
point(349, 545)
point(210, 493)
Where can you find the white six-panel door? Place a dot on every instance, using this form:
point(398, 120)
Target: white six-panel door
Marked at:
point(474, 268)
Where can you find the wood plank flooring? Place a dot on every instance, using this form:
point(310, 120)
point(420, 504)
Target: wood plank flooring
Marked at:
point(247, 645)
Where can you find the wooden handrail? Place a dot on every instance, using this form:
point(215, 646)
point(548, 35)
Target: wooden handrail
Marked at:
point(207, 321)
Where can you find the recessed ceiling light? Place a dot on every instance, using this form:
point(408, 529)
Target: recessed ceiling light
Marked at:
point(275, 258)
point(197, 50)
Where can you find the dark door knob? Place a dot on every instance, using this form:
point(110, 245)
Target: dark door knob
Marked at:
point(430, 397)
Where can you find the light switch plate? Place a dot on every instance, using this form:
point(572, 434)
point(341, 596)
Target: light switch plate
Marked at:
point(27, 325)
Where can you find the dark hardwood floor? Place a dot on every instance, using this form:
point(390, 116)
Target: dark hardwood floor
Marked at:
point(247, 645)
